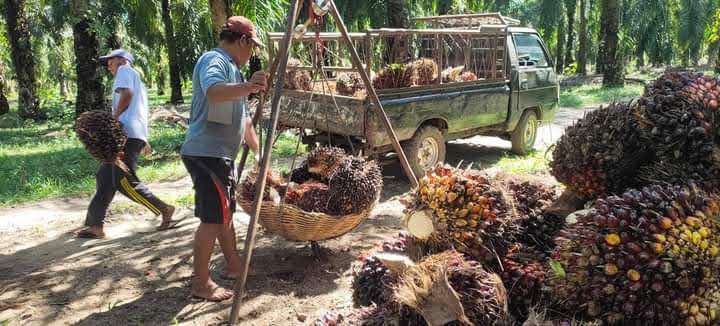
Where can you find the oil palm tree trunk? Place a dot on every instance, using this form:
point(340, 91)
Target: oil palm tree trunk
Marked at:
point(571, 6)
point(175, 83)
point(560, 50)
point(220, 11)
point(4, 106)
point(614, 68)
point(398, 17)
point(90, 94)
point(23, 60)
point(583, 39)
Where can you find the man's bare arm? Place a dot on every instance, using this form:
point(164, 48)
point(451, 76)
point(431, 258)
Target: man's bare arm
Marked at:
point(124, 102)
point(229, 92)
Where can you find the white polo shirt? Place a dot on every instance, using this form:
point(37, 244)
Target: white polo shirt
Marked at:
point(135, 117)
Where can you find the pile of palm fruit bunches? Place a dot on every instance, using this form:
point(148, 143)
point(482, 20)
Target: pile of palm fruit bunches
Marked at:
point(645, 251)
point(329, 182)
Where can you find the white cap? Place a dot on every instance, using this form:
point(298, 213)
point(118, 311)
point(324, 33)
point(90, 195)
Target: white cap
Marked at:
point(122, 53)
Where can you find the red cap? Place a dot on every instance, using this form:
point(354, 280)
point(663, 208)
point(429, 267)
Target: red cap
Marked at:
point(242, 25)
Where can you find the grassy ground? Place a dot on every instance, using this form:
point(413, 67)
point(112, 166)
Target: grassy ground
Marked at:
point(43, 161)
point(595, 95)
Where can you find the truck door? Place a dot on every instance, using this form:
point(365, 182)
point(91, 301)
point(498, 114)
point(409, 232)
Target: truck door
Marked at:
point(537, 80)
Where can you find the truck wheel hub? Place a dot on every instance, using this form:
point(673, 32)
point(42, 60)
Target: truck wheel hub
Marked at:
point(531, 131)
point(429, 152)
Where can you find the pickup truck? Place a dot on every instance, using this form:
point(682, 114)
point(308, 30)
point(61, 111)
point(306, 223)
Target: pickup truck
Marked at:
point(516, 89)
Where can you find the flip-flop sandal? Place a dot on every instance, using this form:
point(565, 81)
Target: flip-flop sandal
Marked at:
point(85, 234)
point(167, 225)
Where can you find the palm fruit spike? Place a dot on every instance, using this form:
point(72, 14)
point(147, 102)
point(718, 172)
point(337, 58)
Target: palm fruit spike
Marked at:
point(647, 257)
point(394, 76)
point(474, 297)
point(102, 135)
point(348, 83)
point(705, 175)
point(297, 79)
point(600, 153)
point(426, 70)
point(354, 186)
point(523, 273)
point(465, 210)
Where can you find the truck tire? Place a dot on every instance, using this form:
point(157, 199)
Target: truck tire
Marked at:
point(425, 149)
point(525, 133)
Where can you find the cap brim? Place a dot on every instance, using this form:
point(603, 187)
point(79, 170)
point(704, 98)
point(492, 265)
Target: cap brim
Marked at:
point(257, 42)
point(104, 59)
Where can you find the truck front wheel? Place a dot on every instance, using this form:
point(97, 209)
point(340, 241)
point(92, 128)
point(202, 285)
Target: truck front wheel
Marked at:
point(523, 137)
point(425, 149)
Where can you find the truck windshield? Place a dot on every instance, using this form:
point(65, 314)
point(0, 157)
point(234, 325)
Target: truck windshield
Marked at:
point(529, 47)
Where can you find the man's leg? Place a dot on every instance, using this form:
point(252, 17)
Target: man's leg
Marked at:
point(202, 285)
point(104, 192)
point(144, 196)
point(228, 244)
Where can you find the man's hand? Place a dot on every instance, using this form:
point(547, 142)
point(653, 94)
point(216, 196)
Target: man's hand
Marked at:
point(258, 81)
point(147, 150)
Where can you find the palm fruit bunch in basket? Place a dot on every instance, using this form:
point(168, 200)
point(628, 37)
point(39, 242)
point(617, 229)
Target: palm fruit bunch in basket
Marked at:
point(647, 257)
point(675, 118)
point(468, 212)
point(335, 183)
point(101, 134)
point(426, 71)
point(348, 83)
point(523, 272)
point(275, 187)
point(600, 153)
point(396, 75)
point(481, 294)
point(297, 79)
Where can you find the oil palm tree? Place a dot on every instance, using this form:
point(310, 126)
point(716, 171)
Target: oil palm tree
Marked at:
point(23, 60)
point(614, 69)
point(582, 54)
point(170, 44)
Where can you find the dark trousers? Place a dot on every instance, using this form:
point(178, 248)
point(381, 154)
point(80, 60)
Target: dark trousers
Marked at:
point(110, 178)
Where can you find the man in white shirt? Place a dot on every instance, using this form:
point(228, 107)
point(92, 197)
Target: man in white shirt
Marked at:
point(130, 107)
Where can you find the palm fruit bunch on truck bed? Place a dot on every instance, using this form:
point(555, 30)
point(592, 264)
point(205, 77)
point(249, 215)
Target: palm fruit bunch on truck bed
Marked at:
point(481, 294)
point(102, 135)
point(426, 71)
point(348, 83)
point(600, 153)
point(297, 79)
point(468, 212)
point(647, 257)
point(523, 272)
point(674, 116)
point(394, 76)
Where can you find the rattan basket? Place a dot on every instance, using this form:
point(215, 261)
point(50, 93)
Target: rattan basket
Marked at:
point(296, 224)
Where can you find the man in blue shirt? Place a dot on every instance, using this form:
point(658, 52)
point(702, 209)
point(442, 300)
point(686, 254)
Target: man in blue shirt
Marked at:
point(218, 124)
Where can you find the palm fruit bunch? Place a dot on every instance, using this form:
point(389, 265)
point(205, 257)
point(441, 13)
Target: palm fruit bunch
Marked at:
point(600, 153)
point(471, 213)
point(371, 283)
point(468, 76)
point(647, 257)
point(394, 76)
point(426, 71)
point(704, 90)
point(482, 294)
point(706, 176)
point(451, 74)
point(348, 83)
point(310, 197)
point(354, 186)
point(101, 134)
point(297, 79)
point(679, 127)
point(531, 197)
point(301, 175)
point(324, 160)
point(523, 272)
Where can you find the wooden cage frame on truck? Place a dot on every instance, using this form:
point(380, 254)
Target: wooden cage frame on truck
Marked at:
point(350, 122)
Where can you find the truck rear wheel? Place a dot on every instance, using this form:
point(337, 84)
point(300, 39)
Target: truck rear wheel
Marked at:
point(425, 149)
point(525, 133)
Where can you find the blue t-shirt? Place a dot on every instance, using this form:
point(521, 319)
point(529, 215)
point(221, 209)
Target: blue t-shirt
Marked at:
point(207, 138)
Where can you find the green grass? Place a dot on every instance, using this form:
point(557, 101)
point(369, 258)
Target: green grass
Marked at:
point(595, 95)
point(156, 100)
point(533, 163)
